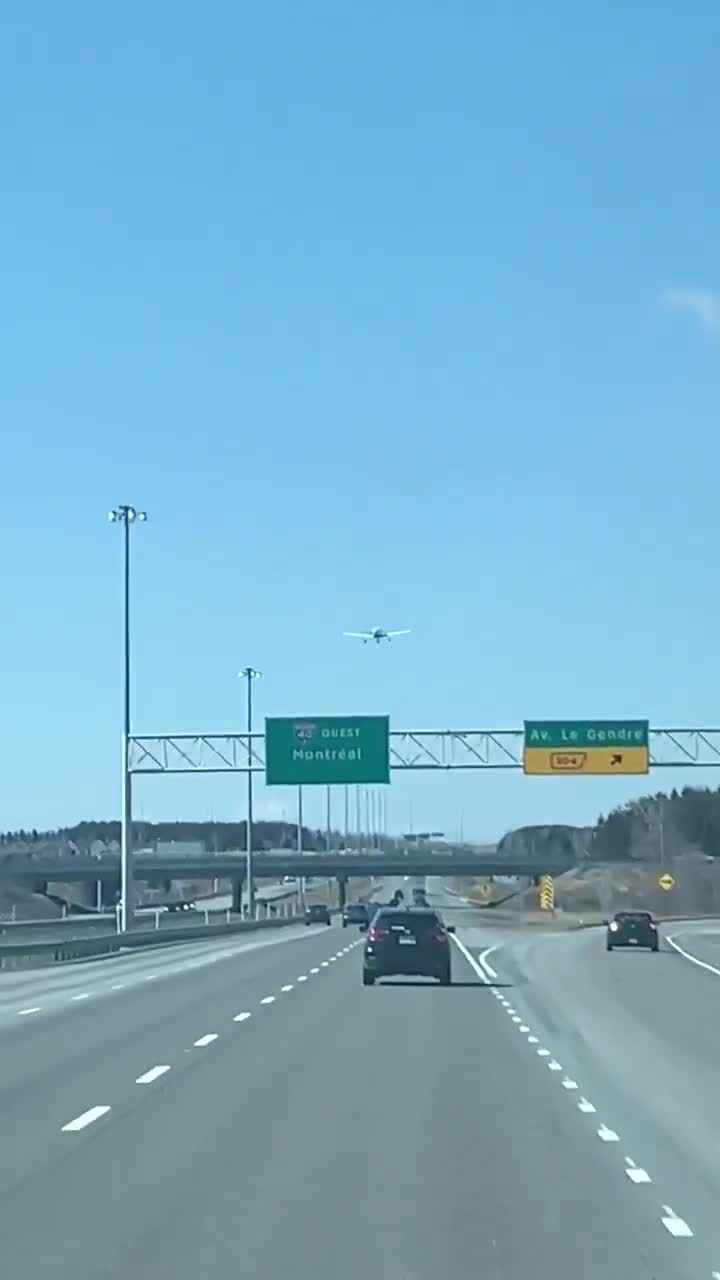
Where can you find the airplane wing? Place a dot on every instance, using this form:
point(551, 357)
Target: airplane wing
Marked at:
point(399, 633)
point(359, 635)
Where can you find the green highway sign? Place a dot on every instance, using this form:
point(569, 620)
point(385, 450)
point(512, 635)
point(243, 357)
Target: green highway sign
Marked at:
point(587, 733)
point(327, 750)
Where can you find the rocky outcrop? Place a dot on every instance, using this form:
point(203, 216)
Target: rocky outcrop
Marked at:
point(555, 841)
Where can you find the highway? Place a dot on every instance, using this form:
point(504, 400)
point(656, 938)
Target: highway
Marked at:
point(246, 1108)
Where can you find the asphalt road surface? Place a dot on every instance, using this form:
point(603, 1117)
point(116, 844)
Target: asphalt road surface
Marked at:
point(248, 1109)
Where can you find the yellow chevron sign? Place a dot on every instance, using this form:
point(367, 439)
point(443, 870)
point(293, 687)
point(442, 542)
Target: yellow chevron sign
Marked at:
point(546, 893)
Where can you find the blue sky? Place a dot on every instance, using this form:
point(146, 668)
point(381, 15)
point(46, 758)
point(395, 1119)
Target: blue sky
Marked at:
point(397, 313)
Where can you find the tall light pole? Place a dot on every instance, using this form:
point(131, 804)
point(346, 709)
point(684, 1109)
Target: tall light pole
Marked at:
point(127, 517)
point(249, 674)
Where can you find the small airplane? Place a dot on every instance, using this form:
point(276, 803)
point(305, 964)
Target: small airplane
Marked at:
point(375, 633)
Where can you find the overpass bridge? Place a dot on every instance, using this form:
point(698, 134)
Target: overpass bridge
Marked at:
point(232, 866)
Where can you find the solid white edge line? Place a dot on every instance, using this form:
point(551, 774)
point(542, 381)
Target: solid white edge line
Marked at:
point(702, 964)
point(470, 959)
point(87, 1117)
point(23, 1013)
point(153, 1074)
point(483, 960)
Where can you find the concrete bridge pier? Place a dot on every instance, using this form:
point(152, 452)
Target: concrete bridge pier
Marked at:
point(342, 891)
point(237, 888)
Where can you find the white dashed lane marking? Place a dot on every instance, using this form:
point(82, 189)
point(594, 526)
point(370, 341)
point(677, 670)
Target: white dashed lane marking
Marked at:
point(242, 1017)
point(84, 995)
point(153, 1074)
point(634, 1174)
point(314, 970)
point(607, 1135)
point(587, 1107)
point(303, 977)
point(268, 1000)
point(24, 1013)
point(87, 1117)
point(288, 987)
point(205, 1040)
point(676, 1226)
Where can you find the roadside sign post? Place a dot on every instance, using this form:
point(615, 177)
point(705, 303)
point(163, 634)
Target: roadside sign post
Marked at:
point(327, 751)
point(600, 747)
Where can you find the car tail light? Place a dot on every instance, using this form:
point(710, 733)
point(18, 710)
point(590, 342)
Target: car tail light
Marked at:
point(614, 926)
point(653, 924)
point(376, 935)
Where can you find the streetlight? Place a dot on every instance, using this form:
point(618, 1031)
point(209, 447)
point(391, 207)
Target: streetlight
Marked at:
point(249, 674)
point(127, 517)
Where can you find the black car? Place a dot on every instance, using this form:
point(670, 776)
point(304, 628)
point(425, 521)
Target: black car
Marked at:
point(419, 898)
point(355, 913)
point(318, 913)
point(409, 941)
point(632, 929)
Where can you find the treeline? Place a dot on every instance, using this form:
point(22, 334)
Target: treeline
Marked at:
point(669, 825)
point(215, 837)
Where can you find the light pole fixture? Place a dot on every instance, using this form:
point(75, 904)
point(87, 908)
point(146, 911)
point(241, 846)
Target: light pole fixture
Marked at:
point(250, 674)
point(126, 516)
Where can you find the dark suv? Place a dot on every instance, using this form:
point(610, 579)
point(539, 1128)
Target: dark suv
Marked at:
point(318, 913)
point(632, 929)
point(355, 913)
point(408, 941)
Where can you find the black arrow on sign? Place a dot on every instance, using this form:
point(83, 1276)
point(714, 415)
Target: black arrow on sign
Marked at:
point(617, 759)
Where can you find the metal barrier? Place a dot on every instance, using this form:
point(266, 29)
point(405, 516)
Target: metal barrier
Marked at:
point(24, 955)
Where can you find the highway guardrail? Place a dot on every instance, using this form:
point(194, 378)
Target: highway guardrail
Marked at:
point(35, 953)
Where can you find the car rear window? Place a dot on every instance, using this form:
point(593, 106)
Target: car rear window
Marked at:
point(417, 921)
point(633, 917)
